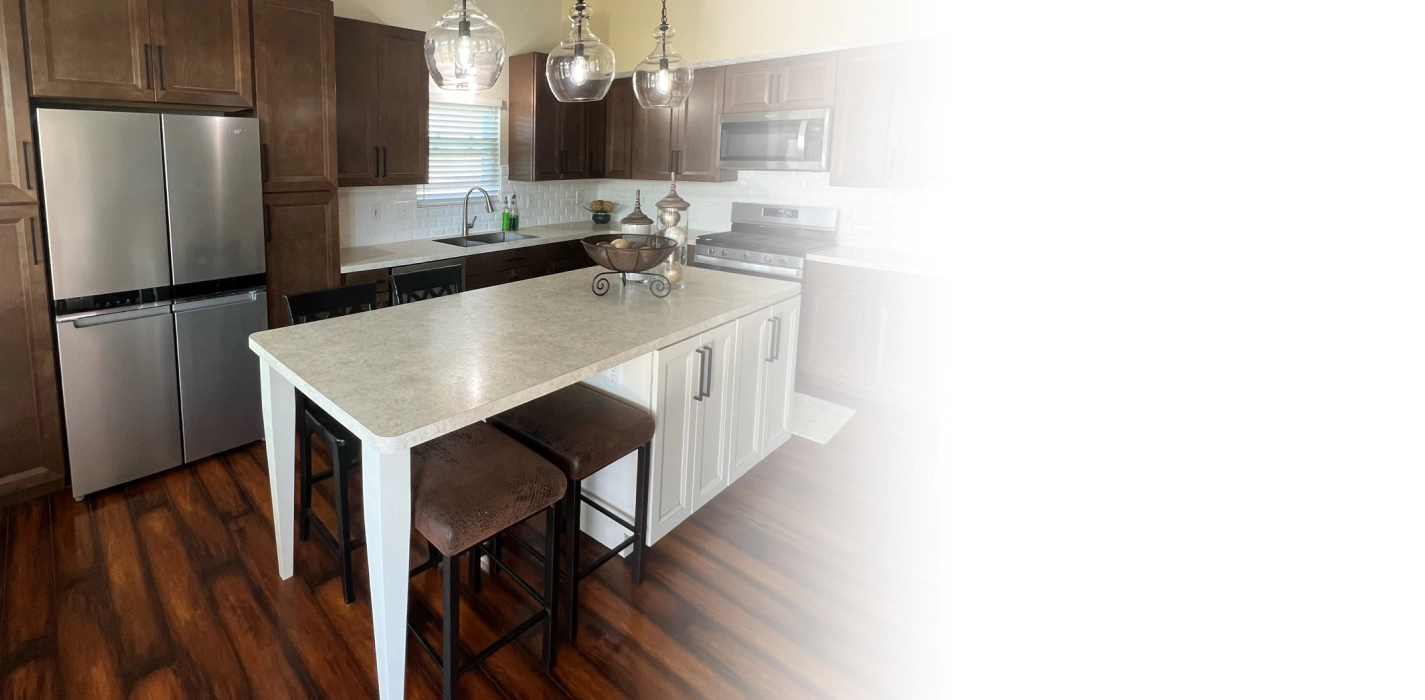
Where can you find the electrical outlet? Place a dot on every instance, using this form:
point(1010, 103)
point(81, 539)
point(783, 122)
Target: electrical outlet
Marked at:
point(615, 375)
point(375, 212)
point(403, 209)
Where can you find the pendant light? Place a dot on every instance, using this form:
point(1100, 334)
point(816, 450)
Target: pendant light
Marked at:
point(465, 50)
point(664, 79)
point(581, 69)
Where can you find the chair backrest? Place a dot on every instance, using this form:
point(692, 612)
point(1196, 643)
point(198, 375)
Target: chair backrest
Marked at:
point(328, 303)
point(427, 284)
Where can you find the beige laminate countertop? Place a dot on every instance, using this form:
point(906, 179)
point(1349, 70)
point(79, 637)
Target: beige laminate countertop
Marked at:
point(878, 259)
point(375, 257)
point(410, 373)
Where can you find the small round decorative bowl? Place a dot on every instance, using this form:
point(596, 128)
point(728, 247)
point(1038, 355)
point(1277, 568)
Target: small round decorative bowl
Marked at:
point(602, 217)
point(649, 253)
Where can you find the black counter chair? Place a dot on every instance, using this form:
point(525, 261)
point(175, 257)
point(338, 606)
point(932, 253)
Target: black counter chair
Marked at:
point(470, 486)
point(343, 447)
point(427, 284)
point(582, 430)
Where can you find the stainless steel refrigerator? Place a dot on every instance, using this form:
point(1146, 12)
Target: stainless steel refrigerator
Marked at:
point(155, 234)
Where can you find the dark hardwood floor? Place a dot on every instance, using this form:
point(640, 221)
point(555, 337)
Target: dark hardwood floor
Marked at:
point(779, 588)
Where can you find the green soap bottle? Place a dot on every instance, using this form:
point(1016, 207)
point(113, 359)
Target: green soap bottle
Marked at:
point(505, 215)
point(514, 212)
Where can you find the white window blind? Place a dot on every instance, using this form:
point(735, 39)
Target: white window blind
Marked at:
point(464, 151)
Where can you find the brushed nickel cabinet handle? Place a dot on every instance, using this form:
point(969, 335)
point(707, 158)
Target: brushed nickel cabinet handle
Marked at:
point(34, 246)
point(25, 152)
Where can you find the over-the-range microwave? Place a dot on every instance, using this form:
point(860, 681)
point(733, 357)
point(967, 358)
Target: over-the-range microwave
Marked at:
point(790, 140)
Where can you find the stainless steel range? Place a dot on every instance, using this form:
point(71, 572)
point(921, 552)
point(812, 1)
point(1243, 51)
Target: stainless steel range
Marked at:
point(768, 240)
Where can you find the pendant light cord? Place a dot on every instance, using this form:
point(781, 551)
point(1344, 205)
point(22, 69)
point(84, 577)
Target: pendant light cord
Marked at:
point(664, 26)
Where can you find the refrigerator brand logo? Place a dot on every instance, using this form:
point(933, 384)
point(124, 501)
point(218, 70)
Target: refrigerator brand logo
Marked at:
point(238, 131)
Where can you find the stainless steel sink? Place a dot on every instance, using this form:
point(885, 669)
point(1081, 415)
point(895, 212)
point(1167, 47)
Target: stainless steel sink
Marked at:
point(485, 239)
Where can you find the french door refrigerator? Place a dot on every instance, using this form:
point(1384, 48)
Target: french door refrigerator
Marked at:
point(155, 235)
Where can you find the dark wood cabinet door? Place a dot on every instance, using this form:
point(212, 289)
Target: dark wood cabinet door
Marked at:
point(595, 131)
point(534, 147)
point(99, 49)
point(619, 108)
point(696, 131)
point(296, 94)
point(202, 51)
point(17, 155)
point(403, 107)
point(806, 82)
point(303, 247)
point(749, 87)
point(358, 152)
point(653, 143)
point(29, 392)
point(573, 142)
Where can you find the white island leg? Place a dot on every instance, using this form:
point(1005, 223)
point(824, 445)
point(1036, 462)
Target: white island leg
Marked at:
point(386, 494)
point(279, 428)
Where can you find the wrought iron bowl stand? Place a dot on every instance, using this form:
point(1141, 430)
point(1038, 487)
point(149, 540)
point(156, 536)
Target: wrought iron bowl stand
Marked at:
point(622, 262)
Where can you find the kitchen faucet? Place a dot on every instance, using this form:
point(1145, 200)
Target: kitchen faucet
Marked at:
point(465, 209)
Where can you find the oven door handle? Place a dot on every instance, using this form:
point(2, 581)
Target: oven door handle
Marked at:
point(740, 266)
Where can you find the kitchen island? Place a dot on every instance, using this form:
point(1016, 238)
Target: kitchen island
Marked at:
point(401, 376)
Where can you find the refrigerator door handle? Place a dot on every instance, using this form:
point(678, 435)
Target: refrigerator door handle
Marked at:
point(214, 302)
point(118, 316)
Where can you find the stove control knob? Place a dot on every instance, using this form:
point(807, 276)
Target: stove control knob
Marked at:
point(745, 256)
point(766, 258)
point(781, 261)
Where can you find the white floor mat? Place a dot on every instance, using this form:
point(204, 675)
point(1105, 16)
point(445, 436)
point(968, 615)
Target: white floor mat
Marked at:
point(818, 420)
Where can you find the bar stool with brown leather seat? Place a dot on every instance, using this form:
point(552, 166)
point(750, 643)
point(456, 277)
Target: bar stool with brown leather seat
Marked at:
point(582, 430)
point(470, 486)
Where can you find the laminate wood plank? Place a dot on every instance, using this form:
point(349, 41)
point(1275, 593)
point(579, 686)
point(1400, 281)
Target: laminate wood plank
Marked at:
point(75, 551)
point(261, 650)
point(163, 684)
point(223, 492)
point(353, 624)
point(35, 679)
point(249, 470)
point(88, 662)
point(201, 641)
point(143, 636)
point(209, 543)
point(29, 577)
point(327, 658)
point(146, 494)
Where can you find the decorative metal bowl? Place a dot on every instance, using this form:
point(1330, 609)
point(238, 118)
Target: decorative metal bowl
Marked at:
point(643, 254)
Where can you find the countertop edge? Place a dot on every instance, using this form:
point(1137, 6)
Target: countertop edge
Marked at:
point(459, 252)
point(394, 443)
point(831, 259)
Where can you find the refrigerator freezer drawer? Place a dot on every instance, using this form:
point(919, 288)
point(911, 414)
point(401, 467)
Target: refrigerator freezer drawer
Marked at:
point(214, 181)
point(218, 374)
point(120, 397)
point(102, 178)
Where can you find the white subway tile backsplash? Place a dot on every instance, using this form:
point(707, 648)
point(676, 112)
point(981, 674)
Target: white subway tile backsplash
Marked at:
point(868, 217)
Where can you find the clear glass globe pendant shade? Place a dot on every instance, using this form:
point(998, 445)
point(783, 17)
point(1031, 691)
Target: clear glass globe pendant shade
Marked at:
point(465, 50)
point(664, 79)
point(581, 69)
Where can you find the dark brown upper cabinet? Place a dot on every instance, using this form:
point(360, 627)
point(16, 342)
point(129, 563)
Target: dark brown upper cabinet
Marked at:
point(296, 94)
point(549, 139)
point(800, 82)
point(182, 52)
point(17, 155)
point(684, 139)
point(383, 105)
point(619, 108)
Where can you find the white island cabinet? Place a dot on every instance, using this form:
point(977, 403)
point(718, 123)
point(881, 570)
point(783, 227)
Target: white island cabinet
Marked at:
point(402, 376)
point(722, 402)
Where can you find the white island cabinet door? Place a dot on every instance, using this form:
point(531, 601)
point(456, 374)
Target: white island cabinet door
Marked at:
point(781, 375)
point(754, 332)
point(712, 470)
point(670, 487)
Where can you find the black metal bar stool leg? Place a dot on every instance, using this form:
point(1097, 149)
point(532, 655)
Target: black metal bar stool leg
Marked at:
point(640, 518)
point(343, 528)
point(450, 624)
point(474, 565)
point(551, 569)
point(571, 551)
point(304, 472)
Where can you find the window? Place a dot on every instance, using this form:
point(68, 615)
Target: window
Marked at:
point(464, 152)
